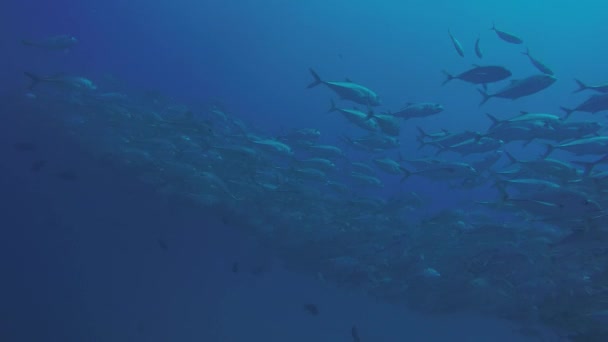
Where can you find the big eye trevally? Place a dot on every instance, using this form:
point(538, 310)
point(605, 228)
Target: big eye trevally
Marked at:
point(348, 90)
point(60, 42)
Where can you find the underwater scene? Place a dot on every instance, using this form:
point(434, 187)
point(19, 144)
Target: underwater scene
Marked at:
point(356, 171)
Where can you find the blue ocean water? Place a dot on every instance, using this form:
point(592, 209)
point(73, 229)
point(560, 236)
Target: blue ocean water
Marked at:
point(97, 255)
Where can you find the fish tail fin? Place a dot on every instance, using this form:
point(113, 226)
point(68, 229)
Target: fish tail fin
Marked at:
point(421, 143)
point(35, 79)
point(499, 184)
point(422, 134)
point(512, 159)
point(527, 52)
point(332, 106)
point(587, 166)
point(441, 150)
point(494, 120)
point(493, 28)
point(485, 96)
point(550, 149)
point(406, 174)
point(448, 77)
point(568, 111)
point(315, 76)
point(479, 136)
point(581, 86)
point(370, 114)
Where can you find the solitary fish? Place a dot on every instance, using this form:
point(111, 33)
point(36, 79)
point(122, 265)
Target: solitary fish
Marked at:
point(522, 87)
point(480, 75)
point(311, 309)
point(506, 36)
point(348, 91)
point(60, 42)
point(478, 51)
point(602, 88)
point(542, 67)
point(457, 44)
point(355, 334)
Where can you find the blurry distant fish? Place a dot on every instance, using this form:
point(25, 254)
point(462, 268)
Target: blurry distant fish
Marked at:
point(74, 82)
point(507, 37)
point(478, 51)
point(355, 334)
point(522, 87)
point(348, 91)
point(60, 42)
point(538, 64)
point(311, 309)
point(235, 267)
point(418, 110)
point(594, 104)
point(163, 245)
point(602, 88)
point(67, 176)
point(480, 74)
point(456, 44)
point(37, 165)
point(25, 146)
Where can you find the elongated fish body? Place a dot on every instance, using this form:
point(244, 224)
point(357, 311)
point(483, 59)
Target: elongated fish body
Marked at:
point(348, 91)
point(601, 88)
point(587, 146)
point(456, 44)
point(594, 104)
point(419, 110)
point(574, 130)
point(480, 74)
point(478, 51)
point(67, 81)
point(389, 166)
point(388, 124)
point(474, 146)
point(60, 42)
point(506, 36)
point(357, 117)
point(522, 87)
point(542, 67)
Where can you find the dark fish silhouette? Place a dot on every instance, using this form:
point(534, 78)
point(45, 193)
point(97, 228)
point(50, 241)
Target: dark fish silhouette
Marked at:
point(522, 87)
point(38, 165)
point(478, 51)
point(311, 309)
point(456, 44)
point(67, 176)
point(355, 334)
point(480, 74)
point(542, 67)
point(25, 146)
point(595, 103)
point(235, 267)
point(506, 36)
point(602, 88)
point(60, 42)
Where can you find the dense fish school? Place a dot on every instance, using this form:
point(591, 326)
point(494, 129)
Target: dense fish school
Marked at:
point(544, 263)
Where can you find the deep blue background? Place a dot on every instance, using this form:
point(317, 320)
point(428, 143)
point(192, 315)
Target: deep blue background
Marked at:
point(80, 260)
